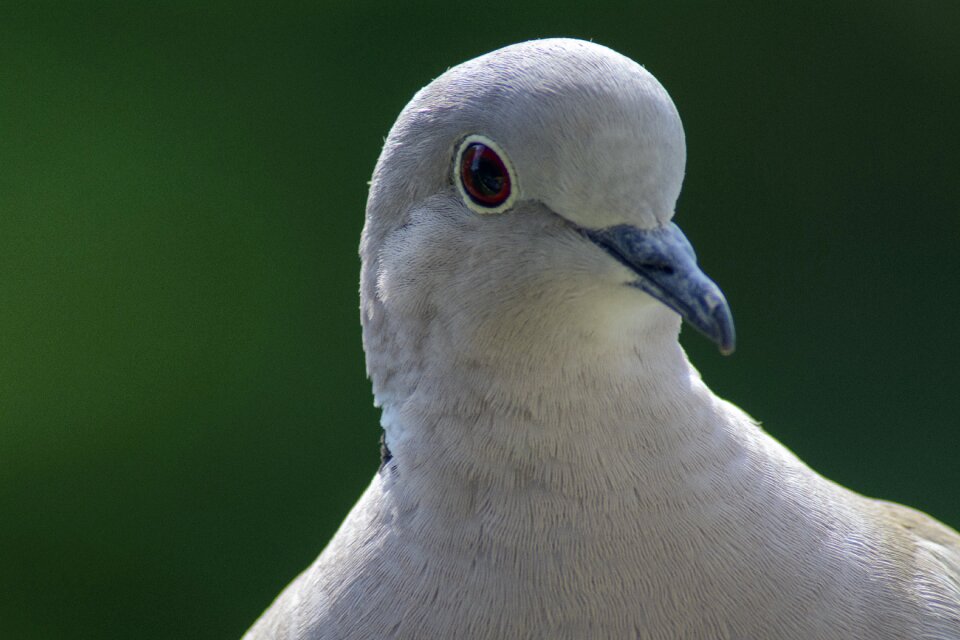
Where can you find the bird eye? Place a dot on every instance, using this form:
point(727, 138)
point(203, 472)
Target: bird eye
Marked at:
point(484, 175)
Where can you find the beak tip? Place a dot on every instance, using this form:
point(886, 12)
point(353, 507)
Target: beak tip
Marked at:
point(726, 336)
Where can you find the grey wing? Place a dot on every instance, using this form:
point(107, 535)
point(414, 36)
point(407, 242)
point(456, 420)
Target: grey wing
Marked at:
point(934, 569)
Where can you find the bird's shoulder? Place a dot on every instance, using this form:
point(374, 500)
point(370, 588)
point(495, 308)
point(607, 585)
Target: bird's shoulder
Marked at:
point(919, 524)
point(930, 553)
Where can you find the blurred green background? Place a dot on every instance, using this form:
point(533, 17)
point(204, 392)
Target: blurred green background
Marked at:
point(184, 416)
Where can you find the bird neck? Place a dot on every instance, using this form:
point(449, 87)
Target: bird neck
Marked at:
point(572, 416)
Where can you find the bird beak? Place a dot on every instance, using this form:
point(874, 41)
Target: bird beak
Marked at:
point(666, 268)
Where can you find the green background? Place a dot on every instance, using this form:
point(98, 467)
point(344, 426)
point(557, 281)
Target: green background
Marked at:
point(184, 416)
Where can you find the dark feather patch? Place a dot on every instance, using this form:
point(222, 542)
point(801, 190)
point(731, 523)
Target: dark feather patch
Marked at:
point(385, 455)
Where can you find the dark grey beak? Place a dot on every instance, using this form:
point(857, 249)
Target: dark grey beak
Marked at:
point(666, 268)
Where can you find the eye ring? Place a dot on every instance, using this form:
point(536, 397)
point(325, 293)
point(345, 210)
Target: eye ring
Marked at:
point(484, 176)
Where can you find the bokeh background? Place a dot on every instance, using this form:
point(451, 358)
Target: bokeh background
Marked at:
point(184, 416)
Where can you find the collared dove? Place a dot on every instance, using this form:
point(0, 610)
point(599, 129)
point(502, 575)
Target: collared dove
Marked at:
point(554, 466)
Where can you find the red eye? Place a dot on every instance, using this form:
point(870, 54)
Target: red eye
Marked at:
point(484, 175)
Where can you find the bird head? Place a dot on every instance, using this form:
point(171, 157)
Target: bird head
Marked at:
point(523, 200)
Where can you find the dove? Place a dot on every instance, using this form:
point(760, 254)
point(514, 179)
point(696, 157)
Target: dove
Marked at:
point(553, 465)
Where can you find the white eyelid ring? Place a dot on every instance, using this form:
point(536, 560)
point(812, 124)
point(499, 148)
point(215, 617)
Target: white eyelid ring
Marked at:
point(484, 175)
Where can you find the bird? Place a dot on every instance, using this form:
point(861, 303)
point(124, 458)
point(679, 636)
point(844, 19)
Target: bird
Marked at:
point(553, 465)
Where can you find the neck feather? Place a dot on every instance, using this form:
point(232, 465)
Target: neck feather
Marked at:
point(575, 415)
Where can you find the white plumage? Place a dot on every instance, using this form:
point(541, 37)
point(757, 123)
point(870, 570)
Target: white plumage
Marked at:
point(559, 469)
